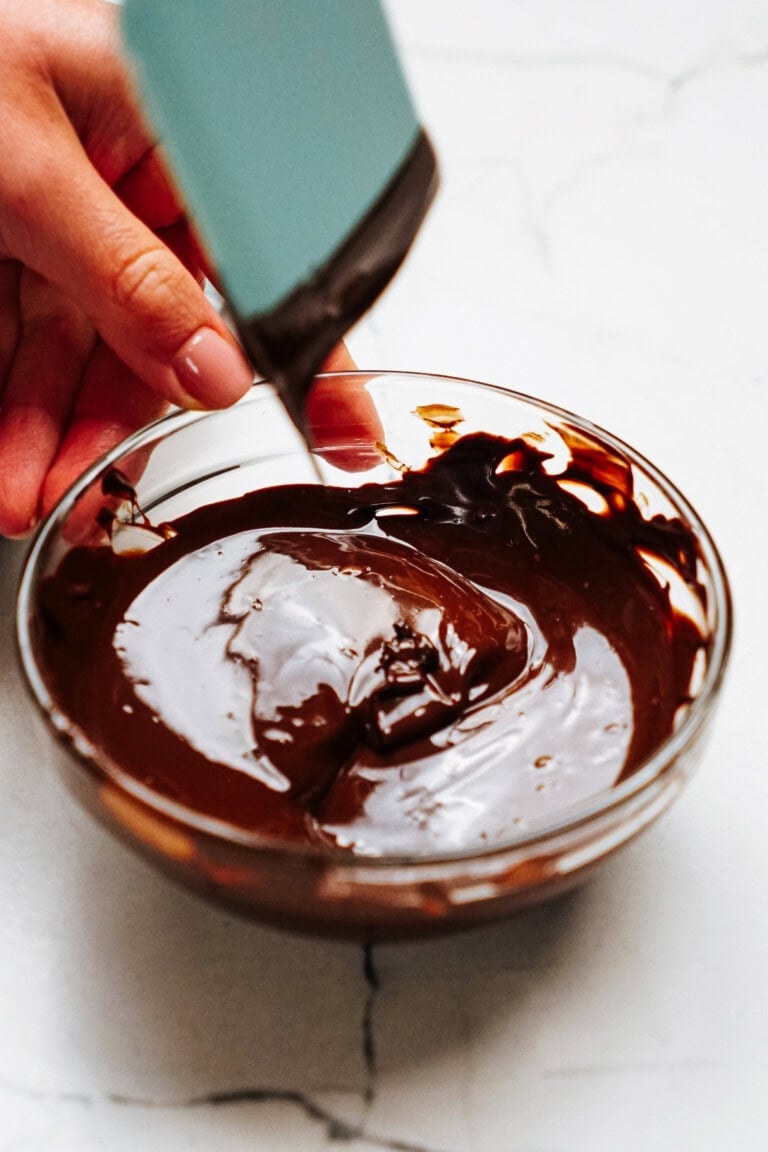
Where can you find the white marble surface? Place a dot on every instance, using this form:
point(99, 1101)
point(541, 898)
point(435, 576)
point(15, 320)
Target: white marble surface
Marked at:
point(601, 239)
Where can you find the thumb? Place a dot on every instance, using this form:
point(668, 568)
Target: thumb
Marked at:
point(145, 304)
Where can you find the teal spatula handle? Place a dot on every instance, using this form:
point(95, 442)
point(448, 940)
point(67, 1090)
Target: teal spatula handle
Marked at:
point(284, 120)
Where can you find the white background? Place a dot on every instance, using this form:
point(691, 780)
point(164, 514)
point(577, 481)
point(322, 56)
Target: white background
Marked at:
point(601, 239)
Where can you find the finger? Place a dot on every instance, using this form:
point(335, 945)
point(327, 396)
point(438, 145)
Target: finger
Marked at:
point(339, 360)
point(143, 301)
point(148, 192)
point(111, 404)
point(54, 344)
point(344, 421)
point(10, 274)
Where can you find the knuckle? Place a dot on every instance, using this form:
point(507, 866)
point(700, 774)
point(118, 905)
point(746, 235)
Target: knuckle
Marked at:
point(140, 281)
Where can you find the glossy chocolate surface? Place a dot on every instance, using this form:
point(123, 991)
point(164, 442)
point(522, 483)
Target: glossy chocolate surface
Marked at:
point(424, 665)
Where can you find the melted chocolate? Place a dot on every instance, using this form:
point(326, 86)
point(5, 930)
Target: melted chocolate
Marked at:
point(417, 666)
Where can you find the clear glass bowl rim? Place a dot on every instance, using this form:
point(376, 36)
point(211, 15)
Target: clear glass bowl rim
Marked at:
point(574, 819)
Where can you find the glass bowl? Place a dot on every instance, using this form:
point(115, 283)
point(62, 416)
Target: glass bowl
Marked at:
point(189, 459)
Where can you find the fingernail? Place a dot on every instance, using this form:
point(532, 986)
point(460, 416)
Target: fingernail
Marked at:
point(211, 370)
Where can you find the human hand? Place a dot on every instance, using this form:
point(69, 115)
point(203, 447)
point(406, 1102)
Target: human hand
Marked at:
point(102, 317)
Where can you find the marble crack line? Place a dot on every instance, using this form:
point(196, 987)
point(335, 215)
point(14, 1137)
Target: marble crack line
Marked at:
point(368, 1033)
point(719, 60)
point(538, 212)
point(555, 60)
point(671, 86)
point(729, 57)
point(626, 130)
point(652, 1067)
point(724, 55)
point(337, 1131)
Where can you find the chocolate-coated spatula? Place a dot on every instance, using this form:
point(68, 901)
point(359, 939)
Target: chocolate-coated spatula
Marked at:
point(290, 131)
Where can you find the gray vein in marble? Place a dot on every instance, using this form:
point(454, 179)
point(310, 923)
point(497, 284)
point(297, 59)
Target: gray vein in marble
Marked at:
point(646, 1067)
point(531, 221)
point(468, 1079)
point(337, 1131)
point(537, 219)
point(727, 56)
point(674, 85)
point(524, 62)
point(756, 58)
point(373, 984)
